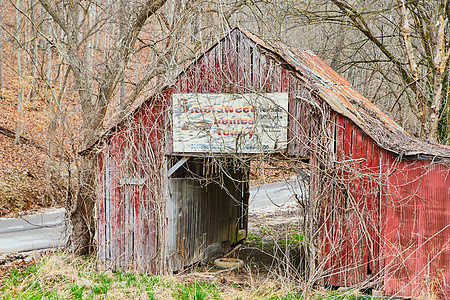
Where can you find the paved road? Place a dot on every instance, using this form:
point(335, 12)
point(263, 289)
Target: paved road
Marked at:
point(49, 230)
point(33, 232)
point(276, 196)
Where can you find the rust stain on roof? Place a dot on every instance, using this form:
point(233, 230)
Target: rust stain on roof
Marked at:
point(344, 99)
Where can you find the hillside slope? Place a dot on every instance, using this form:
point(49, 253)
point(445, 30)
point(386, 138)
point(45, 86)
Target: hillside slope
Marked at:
point(22, 167)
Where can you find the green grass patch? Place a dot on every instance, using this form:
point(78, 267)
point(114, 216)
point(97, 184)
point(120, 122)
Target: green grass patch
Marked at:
point(294, 239)
point(196, 291)
point(253, 237)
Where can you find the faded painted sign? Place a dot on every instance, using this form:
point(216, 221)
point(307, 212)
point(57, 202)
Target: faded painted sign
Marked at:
point(230, 123)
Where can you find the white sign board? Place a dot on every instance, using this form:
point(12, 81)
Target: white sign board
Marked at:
point(229, 123)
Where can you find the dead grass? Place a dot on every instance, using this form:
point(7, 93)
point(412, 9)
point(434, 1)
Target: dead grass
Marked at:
point(17, 193)
point(22, 179)
point(64, 276)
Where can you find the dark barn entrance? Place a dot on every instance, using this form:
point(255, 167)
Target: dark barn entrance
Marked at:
point(207, 204)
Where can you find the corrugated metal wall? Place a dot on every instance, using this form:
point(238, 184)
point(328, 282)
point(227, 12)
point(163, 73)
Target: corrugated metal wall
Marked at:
point(387, 221)
point(418, 228)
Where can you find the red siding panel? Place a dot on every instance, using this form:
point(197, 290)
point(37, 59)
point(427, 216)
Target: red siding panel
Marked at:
point(418, 234)
point(338, 242)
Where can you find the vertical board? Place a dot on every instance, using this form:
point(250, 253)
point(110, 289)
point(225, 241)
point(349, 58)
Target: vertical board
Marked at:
point(101, 214)
point(338, 235)
point(353, 252)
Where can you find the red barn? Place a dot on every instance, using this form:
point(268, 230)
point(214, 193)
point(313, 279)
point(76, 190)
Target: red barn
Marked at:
point(378, 196)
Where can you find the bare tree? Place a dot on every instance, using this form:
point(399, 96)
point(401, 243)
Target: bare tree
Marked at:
point(111, 74)
point(396, 52)
point(424, 68)
point(94, 91)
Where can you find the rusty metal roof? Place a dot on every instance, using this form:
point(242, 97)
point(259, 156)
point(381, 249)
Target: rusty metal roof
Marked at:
point(344, 99)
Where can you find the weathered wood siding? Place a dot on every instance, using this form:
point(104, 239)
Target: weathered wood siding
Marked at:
point(353, 214)
point(132, 186)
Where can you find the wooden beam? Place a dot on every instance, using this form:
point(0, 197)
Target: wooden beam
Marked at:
point(177, 165)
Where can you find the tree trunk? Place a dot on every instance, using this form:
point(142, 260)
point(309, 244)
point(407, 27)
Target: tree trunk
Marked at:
point(440, 62)
point(434, 109)
point(33, 51)
point(19, 122)
point(51, 132)
point(49, 65)
point(82, 208)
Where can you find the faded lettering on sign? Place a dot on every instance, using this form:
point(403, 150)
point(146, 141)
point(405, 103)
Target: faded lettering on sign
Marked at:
point(229, 123)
